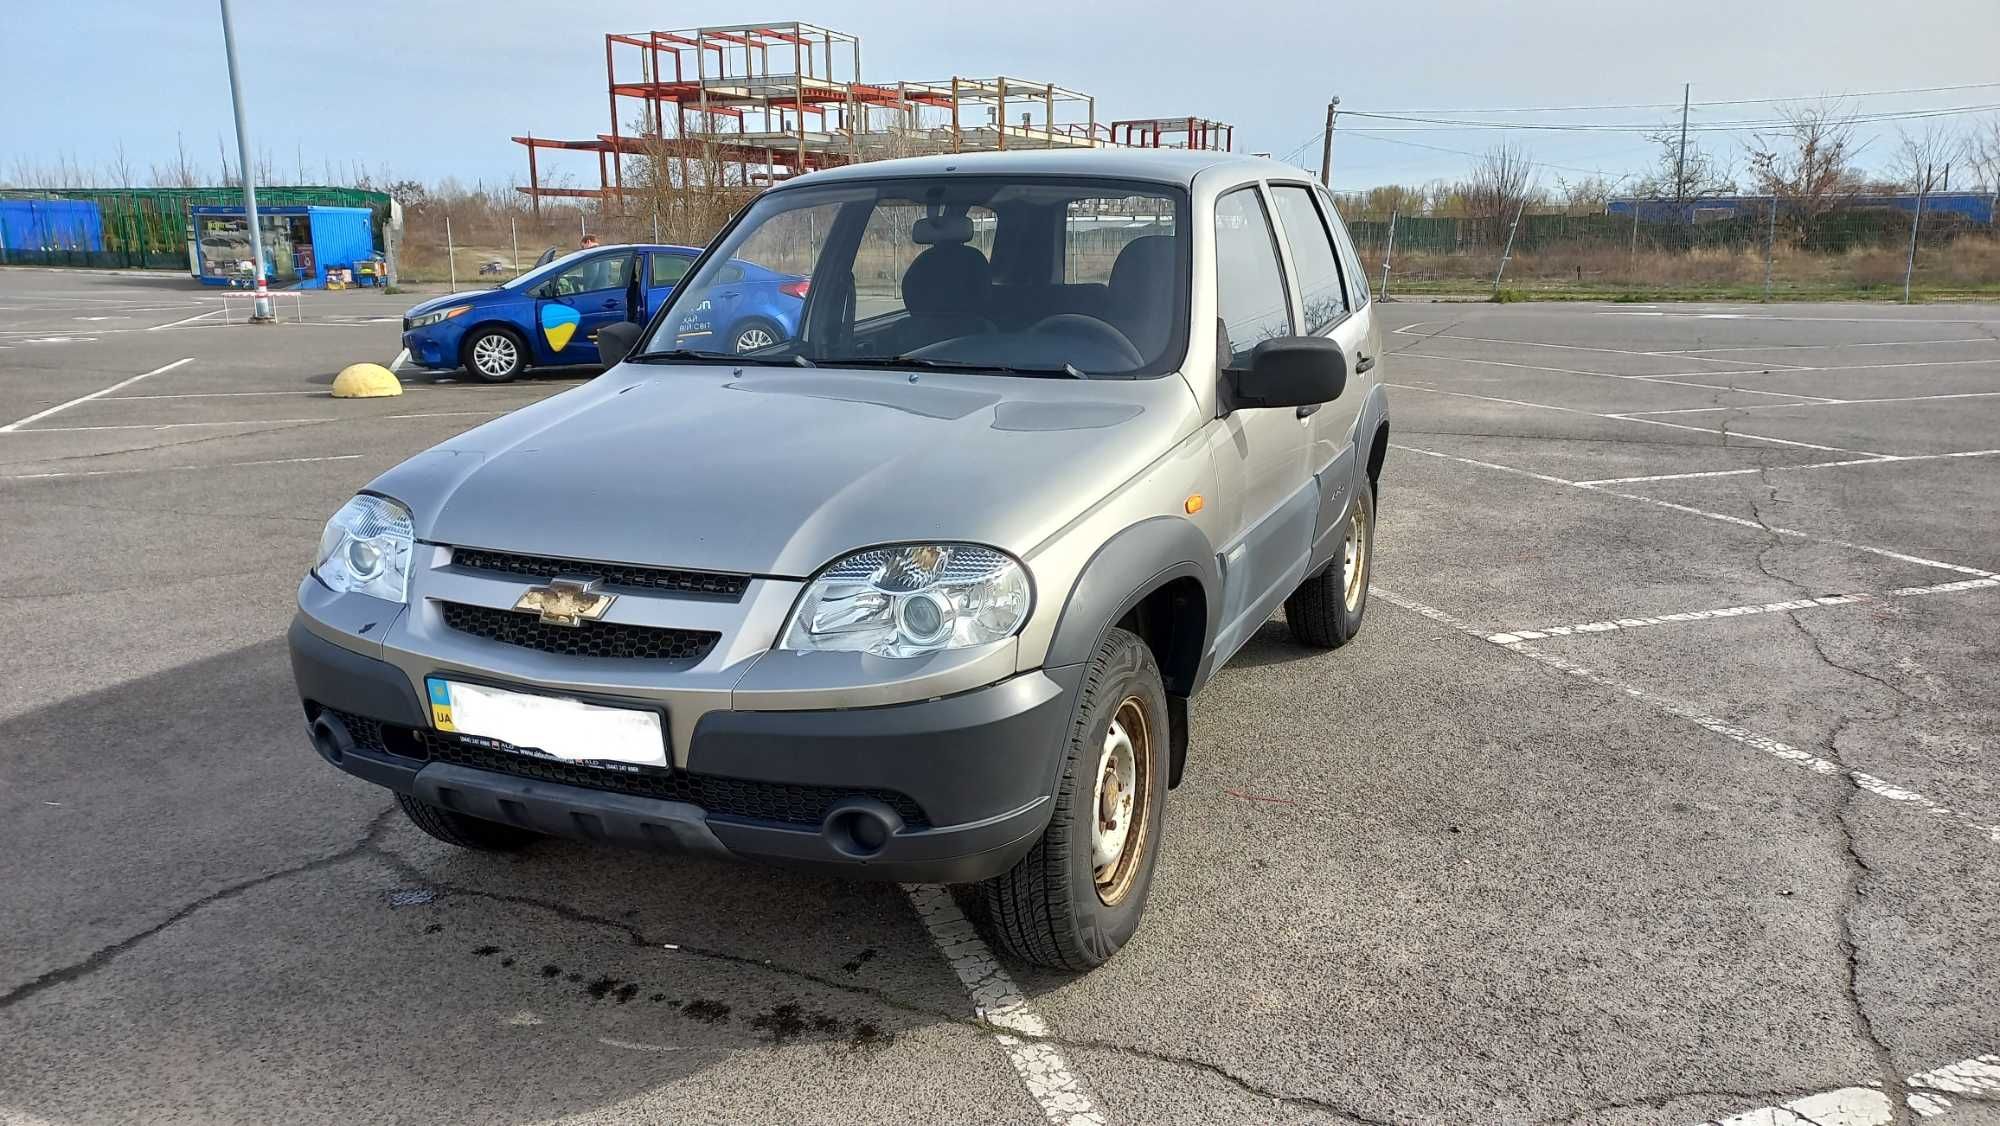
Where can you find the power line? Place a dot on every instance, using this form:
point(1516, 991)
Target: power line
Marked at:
point(1446, 125)
point(1722, 102)
point(1369, 134)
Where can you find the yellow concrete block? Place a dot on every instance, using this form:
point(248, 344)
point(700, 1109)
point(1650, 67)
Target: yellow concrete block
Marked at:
point(365, 381)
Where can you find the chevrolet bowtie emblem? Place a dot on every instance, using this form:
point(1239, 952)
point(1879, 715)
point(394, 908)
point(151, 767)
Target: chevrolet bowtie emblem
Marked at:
point(566, 602)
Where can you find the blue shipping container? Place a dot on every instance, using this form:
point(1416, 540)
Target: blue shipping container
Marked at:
point(300, 243)
point(50, 225)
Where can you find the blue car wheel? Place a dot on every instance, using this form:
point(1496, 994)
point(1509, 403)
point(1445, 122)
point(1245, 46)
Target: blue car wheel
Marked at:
point(753, 333)
point(495, 354)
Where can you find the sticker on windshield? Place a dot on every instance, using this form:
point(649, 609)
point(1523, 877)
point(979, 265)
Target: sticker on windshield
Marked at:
point(558, 324)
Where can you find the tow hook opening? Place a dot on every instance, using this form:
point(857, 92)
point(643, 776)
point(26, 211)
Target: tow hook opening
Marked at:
point(330, 738)
point(861, 829)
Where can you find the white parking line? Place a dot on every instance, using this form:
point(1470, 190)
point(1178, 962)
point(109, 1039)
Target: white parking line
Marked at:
point(16, 425)
point(1816, 402)
point(1674, 380)
point(175, 468)
point(1929, 1096)
point(1784, 752)
point(997, 1001)
point(1562, 347)
point(247, 422)
point(1769, 529)
point(1697, 352)
point(185, 320)
point(1643, 421)
point(1885, 459)
point(1614, 625)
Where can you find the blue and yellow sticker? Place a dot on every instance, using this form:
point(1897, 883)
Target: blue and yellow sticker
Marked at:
point(440, 703)
point(559, 324)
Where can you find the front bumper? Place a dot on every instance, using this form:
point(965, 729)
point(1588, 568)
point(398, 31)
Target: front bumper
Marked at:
point(947, 790)
point(434, 346)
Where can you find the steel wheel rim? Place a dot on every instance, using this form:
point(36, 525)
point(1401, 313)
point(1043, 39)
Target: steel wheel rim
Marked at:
point(1354, 566)
point(493, 355)
point(751, 339)
point(1120, 827)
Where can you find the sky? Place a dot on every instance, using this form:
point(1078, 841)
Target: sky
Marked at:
point(434, 89)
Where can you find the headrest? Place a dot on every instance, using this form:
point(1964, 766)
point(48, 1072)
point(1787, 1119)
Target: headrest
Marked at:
point(950, 277)
point(1146, 260)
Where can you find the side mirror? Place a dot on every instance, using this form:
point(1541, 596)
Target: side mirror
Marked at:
point(616, 341)
point(1289, 371)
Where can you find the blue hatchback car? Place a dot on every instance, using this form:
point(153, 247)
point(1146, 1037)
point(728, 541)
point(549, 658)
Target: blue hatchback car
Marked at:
point(550, 315)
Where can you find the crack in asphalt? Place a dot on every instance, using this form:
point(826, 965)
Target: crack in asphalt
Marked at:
point(370, 846)
point(1854, 864)
point(104, 955)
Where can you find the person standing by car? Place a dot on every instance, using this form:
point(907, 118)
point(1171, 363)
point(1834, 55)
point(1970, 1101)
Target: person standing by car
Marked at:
point(589, 242)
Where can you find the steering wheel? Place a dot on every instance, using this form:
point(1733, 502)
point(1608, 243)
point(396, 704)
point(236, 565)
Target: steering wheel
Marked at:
point(1079, 329)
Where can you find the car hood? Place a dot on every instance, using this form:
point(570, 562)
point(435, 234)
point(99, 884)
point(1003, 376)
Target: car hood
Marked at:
point(464, 297)
point(778, 472)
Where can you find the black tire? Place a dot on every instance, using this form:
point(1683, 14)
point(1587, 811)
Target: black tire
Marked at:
point(503, 339)
point(1050, 909)
point(746, 329)
point(457, 829)
point(1320, 613)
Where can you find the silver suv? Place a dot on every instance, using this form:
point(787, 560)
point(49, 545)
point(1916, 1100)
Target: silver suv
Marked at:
point(920, 594)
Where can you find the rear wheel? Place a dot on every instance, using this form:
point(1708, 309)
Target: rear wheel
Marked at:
point(495, 355)
point(455, 828)
point(1077, 897)
point(1325, 612)
point(754, 334)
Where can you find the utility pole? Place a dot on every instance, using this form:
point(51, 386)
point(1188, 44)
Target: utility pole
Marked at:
point(261, 307)
point(1326, 144)
point(1680, 160)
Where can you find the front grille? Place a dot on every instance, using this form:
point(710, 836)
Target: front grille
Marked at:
point(591, 639)
point(782, 802)
point(610, 574)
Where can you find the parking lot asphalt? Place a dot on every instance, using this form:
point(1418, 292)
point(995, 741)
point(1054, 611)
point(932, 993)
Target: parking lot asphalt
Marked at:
point(1661, 786)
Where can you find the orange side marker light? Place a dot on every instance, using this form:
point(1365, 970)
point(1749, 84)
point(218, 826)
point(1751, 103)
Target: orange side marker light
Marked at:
point(1193, 504)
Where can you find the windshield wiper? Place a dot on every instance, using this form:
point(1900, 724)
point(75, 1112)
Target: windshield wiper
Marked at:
point(1067, 371)
point(686, 356)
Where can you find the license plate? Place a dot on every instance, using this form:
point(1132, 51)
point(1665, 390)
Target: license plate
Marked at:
point(560, 728)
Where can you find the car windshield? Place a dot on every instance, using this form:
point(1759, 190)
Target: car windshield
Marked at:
point(544, 272)
point(1042, 275)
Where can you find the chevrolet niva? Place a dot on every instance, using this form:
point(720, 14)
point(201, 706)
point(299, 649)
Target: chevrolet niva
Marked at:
point(919, 592)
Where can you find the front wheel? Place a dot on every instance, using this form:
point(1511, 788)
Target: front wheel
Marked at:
point(1076, 898)
point(495, 355)
point(1325, 612)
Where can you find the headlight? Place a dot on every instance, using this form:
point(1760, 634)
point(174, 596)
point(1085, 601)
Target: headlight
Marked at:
point(366, 549)
point(425, 320)
point(908, 601)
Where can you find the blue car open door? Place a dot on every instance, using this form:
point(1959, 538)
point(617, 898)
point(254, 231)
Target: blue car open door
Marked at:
point(573, 305)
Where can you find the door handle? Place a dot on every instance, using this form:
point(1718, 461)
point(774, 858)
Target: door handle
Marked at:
point(1364, 364)
point(1309, 410)
point(612, 303)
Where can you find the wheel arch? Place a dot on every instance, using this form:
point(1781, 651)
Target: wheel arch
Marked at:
point(1173, 605)
point(478, 328)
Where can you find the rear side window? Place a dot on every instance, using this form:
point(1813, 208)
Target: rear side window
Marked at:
point(1350, 259)
point(1321, 291)
point(1250, 293)
point(669, 269)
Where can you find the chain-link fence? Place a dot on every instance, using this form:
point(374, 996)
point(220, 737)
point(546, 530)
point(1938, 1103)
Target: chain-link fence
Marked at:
point(1793, 251)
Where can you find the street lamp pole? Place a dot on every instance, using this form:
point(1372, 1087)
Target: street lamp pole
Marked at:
point(262, 308)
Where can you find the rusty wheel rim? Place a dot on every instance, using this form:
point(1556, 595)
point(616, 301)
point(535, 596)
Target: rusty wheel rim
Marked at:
point(1120, 827)
point(1354, 550)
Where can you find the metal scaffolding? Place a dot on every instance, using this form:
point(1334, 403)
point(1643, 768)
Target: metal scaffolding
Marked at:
point(753, 103)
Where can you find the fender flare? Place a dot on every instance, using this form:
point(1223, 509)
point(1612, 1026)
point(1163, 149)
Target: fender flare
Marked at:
point(1122, 572)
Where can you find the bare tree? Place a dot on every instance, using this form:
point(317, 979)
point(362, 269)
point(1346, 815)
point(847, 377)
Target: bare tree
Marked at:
point(1923, 160)
point(182, 173)
point(121, 166)
point(1681, 176)
point(1808, 164)
point(1982, 153)
point(1590, 195)
point(1502, 181)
